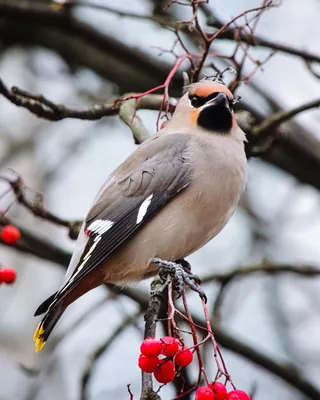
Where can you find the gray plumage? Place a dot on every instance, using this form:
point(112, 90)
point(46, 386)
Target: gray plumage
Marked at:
point(170, 197)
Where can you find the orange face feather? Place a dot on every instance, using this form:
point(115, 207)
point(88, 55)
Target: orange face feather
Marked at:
point(205, 91)
point(194, 117)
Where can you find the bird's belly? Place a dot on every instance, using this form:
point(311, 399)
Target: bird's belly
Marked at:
point(179, 229)
point(203, 218)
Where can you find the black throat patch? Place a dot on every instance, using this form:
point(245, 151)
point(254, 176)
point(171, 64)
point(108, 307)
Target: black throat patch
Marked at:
point(215, 118)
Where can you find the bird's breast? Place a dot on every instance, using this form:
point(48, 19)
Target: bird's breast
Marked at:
point(220, 174)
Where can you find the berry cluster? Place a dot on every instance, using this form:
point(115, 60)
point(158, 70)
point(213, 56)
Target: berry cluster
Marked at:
point(218, 391)
point(10, 234)
point(173, 353)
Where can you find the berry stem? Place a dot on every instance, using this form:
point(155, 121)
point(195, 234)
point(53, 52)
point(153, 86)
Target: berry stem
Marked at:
point(150, 318)
point(221, 365)
point(195, 340)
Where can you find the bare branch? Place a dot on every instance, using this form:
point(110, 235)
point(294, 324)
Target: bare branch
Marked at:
point(310, 66)
point(44, 108)
point(127, 112)
point(256, 41)
point(31, 244)
point(150, 317)
point(270, 269)
point(283, 116)
point(162, 20)
point(36, 207)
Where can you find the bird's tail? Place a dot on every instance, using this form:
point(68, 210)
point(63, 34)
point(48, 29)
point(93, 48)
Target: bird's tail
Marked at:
point(46, 325)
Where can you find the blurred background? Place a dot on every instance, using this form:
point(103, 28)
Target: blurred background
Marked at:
point(80, 55)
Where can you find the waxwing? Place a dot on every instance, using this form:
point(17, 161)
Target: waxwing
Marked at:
point(165, 201)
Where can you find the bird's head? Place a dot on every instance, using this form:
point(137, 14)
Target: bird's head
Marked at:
point(211, 106)
point(206, 106)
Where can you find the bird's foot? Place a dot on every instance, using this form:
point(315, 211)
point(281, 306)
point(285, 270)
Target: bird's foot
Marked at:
point(181, 276)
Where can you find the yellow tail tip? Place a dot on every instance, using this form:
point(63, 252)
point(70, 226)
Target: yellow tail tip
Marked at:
point(37, 338)
point(56, 6)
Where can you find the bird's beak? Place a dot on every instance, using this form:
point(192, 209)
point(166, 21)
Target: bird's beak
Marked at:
point(220, 100)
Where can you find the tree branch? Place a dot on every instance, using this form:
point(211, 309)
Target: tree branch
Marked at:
point(282, 116)
point(36, 207)
point(31, 244)
point(150, 317)
point(44, 108)
point(270, 269)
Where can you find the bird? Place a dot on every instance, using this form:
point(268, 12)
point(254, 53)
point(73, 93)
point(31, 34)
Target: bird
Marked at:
point(171, 196)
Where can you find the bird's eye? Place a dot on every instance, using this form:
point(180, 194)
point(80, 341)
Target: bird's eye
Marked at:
point(194, 100)
point(197, 101)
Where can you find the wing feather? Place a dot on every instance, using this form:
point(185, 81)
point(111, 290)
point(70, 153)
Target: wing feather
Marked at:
point(132, 199)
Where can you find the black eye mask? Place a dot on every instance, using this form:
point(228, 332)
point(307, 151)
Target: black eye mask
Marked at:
point(197, 101)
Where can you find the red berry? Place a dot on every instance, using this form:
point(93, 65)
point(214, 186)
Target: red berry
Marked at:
point(165, 372)
point(10, 234)
point(183, 358)
point(8, 275)
point(170, 346)
point(148, 364)
point(219, 390)
point(151, 347)
point(204, 393)
point(237, 395)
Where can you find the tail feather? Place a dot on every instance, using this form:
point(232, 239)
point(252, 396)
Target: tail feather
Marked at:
point(45, 305)
point(46, 326)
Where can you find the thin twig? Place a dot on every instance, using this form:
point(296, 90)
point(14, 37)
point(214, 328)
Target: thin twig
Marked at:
point(230, 33)
point(150, 317)
point(271, 269)
point(37, 208)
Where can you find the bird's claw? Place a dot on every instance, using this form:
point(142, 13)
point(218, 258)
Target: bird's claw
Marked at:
point(181, 275)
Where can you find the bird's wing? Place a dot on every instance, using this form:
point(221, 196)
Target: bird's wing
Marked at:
point(142, 185)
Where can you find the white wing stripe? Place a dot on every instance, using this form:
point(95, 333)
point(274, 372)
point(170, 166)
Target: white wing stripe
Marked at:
point(100, 226)
point(105, 227)
point(85, 259)
point(143, 208)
